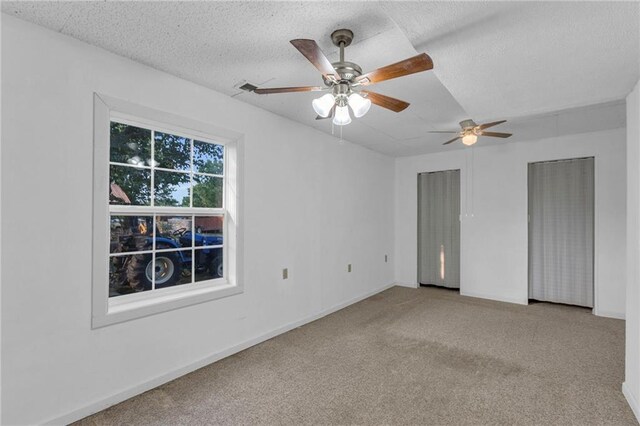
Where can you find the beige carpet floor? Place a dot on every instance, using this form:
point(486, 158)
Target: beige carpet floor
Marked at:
point(407, 356)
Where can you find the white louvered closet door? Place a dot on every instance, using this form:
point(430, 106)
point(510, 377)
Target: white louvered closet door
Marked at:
point(439, 228)
point(561, 222)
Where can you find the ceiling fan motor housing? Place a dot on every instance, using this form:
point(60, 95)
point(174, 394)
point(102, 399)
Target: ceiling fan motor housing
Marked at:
point(345, 69)
point(467, 124)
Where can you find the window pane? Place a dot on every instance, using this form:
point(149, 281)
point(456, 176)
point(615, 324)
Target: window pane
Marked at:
point(173, 232)
point(130, 145)
point(172, 152)
point(131, 233)
point(207, 191)
point(171, 189)
point(208, 158)
point(127, 274)
point(129, 185)
point(172, 268)
point(209, 230)
point(209, 264)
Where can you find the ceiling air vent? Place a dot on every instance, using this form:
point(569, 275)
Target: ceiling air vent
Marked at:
point(248, 87)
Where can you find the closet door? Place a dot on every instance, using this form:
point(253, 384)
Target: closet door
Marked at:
point(561, 220)
point(439, 228)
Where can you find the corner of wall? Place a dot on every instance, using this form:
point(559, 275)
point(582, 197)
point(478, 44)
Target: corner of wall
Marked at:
point(633, 403)
point(631, 386)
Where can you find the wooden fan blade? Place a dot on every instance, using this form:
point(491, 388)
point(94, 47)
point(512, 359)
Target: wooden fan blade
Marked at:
point(311, 51)
point(418, 63)
point(452, 140)
point(442, 131)
point(496, 134)
point(487, 125)
point(266, 91)
point(387, 102)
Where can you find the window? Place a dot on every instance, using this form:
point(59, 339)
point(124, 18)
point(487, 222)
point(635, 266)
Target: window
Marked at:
point(169, 187)
point(166, 209)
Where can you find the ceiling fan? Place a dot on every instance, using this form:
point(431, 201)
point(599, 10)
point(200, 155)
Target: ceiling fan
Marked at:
point(470, 132)
point(345, 81)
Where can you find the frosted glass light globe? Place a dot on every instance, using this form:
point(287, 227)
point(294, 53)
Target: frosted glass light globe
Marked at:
point(359, 105)
point(342, 118)
point(469, 139)
point(322, 106)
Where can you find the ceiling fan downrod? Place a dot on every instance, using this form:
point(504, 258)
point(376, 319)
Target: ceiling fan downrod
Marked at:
point(347, 71)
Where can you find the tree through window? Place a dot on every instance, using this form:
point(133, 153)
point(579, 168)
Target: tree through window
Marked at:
point(166, 207)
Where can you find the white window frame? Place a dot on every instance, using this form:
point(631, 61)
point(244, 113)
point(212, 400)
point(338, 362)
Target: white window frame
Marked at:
point(106, 310)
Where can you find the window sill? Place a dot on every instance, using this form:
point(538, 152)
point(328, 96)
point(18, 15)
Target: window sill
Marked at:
point(126, 308)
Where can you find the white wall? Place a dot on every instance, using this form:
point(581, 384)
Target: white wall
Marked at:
point(494, 229)
point(312, 204)
point(631, 386)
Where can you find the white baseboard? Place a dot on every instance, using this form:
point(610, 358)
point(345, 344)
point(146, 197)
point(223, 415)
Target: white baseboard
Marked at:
point(631, 400)
point(493, 297)
point(410, 285)
point(172, 375)
point(609, 314)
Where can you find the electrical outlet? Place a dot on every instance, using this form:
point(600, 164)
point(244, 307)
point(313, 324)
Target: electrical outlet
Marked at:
point(349, 268)
point(285, 273)
point(386, 258)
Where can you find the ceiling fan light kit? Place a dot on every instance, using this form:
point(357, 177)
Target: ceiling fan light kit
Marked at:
point(344, 79)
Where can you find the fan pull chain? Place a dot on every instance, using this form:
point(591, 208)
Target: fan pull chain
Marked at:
point(472, 180)
point(469, 204)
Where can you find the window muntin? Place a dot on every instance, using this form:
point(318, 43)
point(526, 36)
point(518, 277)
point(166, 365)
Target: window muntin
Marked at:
point(166, 205)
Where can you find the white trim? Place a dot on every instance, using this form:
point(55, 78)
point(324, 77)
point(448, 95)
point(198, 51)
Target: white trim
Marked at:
point(409, 285)
point(105, 310)
point(515, 300)
point(163, 169)
point(162, 303)
point(121, 110)
point(100, 267)
point(631, 400)
point(104, 403)
point(1, 236)
point(609, 314)
point(168, 293)
point(153, 125)
point(124, 209)
point(596, 238)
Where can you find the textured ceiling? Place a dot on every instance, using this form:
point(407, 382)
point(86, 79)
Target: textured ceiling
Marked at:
point(536, 63)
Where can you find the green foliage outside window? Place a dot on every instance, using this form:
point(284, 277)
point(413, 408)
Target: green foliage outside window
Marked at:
point(132, 145)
